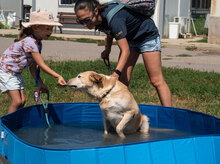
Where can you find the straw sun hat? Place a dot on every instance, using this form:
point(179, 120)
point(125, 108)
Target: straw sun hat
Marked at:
point(41, 18)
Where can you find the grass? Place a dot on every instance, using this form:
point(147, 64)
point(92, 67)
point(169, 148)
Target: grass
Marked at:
point(167, 58)
point(86, 40)
point(55, 38)
point(81, 40)
point(183, 55)
point(194, 90)
point(191, 48)
point(8, 35)
point(199, 25)
point(204, 40)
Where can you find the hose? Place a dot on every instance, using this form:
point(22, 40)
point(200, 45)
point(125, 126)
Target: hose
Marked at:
point(45, 107)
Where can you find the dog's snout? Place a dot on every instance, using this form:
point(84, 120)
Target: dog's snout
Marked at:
point(69, 84)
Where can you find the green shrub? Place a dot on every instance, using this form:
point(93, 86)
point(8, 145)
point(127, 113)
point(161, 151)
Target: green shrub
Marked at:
point(199, 25)
point(2, 26)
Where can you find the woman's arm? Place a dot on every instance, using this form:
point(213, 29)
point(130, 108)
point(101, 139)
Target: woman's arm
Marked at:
point(125, 52)
point(108, 46)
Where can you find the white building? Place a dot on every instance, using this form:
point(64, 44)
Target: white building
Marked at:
point(214, 25)
point(166, 10)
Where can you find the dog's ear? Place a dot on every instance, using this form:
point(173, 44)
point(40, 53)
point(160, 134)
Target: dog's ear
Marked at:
point(95, 77)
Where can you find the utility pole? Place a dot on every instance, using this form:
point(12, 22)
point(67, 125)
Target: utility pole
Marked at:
point(189, 16)
point(159, 15)
point(33, 5)
point(179, 4)
point(22, 9)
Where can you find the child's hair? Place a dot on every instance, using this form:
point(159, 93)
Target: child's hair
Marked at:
point(24, 33)
point(91, 4)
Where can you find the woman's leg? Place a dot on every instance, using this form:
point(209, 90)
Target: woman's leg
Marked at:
point(16, 100)
point(126, 72)
point(152, 62)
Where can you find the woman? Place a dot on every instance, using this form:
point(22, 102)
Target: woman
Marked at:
point(135, 34)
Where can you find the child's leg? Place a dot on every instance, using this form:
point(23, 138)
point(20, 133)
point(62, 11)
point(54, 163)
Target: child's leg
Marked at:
point(16, 100)
point(23, 99)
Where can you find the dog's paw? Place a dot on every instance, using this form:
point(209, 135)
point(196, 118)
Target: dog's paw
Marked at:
point(145, 135)
point(105, 132)
point(120, 132)
point(122, 136)
point(146, 130)
point(105, 136)
point(145, 125)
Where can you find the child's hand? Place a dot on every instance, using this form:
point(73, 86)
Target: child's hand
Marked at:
point(61, 81)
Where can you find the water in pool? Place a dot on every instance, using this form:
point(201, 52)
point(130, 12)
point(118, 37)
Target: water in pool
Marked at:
point(86, 135)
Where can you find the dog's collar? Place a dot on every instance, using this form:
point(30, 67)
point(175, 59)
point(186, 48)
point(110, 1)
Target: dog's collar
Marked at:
point(103, 96)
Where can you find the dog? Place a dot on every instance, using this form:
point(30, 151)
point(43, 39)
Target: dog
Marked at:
point(118, 105)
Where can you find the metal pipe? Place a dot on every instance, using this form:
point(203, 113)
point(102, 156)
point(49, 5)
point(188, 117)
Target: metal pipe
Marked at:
point(33, 5)
point(22, 10)
point(158, 15)
point(179, 4)
point(189, 16)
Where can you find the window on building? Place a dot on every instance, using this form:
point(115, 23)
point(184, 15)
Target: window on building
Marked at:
point(202, 4)
point(67, 2)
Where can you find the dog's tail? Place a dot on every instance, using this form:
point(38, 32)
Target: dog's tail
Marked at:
point(145, 124)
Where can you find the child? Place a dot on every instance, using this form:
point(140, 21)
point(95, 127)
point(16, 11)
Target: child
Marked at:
point(25, 52)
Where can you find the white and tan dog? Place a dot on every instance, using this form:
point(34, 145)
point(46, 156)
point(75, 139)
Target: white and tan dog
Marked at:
point(118, 105)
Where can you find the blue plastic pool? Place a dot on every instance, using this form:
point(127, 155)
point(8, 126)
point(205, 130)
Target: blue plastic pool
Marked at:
point(199, 144)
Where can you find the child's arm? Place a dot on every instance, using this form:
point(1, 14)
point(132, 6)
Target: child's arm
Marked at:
point(39, 60)
point(41, 85)
point(33, 71)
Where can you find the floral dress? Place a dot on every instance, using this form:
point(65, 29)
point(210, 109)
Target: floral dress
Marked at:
point(18, 56)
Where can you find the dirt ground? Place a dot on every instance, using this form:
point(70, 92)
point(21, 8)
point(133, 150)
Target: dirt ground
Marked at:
point(204, 57)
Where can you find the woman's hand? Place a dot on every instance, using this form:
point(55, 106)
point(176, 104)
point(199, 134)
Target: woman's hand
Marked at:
point(108, 45)
point(105, 54)
point(115, 75)
point(61, 81)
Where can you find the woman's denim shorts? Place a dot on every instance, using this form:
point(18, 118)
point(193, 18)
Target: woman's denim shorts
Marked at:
point(149, 46)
